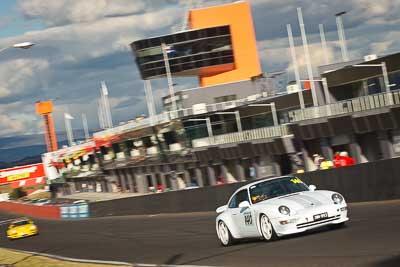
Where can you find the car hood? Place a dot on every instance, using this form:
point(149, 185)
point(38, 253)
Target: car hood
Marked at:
point(301, 200)
point(22, 228)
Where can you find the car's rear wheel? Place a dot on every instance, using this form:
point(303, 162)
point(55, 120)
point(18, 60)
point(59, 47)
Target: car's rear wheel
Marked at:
point(224, 234)
point(267, 230)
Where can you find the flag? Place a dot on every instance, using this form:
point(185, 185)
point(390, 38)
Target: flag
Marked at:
point(68, 116)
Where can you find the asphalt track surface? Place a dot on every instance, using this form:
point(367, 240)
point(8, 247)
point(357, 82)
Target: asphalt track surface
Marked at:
point(371, 238)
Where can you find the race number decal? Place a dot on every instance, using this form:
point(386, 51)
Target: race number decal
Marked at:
point(295, 180)
point(248, 219)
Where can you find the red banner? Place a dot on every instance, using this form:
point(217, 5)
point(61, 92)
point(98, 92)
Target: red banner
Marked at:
point(21, 173)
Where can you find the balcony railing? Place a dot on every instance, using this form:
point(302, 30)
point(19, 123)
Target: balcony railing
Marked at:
point(364, 103)
point(254, 134)
point(133, 125)
point(358, 104)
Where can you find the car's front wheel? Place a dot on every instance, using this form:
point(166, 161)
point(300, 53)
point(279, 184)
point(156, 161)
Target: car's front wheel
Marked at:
point(267, 230)
point(224, 234)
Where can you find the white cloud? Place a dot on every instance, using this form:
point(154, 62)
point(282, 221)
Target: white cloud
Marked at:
point(87, 41)
point(77, 42)
point(61, 12)
point(21, 76)
point(18, 118)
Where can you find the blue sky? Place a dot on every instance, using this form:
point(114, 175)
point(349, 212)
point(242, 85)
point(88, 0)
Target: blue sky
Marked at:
point(79, 43)
point(12, 22)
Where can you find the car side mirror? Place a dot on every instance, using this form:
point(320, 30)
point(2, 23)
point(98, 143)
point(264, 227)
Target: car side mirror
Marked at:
point(222, 209)
point(312, 187)
point(244, 204)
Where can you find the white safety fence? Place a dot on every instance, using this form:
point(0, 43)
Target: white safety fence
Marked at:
point(364, 103)
point(348, 106)
point(254, 134)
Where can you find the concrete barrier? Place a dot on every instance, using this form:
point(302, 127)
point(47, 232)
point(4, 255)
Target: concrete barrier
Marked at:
point(46, 212)
point(379, 180)
point(372, 181)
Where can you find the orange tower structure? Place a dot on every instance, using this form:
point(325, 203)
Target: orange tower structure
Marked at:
point(45, 109)
point(238, 17)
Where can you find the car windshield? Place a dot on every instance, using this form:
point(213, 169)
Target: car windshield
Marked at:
point(276, 188)
point(19, 223)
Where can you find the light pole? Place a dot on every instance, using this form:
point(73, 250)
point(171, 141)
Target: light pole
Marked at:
point(237, 117)
point(273, 111)
point(323, 43)
point(326, 93)
point(342, 37)
point(169, 76)
point(24, 45)
point(295, 66)
point(325, 87)
point(307, 56)
point(208, 123)
point(385, 77)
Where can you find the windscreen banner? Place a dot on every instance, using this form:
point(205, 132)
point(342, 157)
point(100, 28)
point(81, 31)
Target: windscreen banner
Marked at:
point(22, 174)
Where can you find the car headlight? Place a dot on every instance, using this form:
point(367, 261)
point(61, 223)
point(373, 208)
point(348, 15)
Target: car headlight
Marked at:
point(284, 210)
point(33, 227)
point(337, 199)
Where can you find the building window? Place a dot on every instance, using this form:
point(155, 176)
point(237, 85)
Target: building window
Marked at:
point(374, 85)
point(225, 98)
point(394, 79)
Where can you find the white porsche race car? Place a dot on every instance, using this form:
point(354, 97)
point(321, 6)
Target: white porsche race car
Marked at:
point(279, 206)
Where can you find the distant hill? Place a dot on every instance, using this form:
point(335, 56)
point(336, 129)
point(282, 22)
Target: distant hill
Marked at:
point(24, 161)
point(16, 150)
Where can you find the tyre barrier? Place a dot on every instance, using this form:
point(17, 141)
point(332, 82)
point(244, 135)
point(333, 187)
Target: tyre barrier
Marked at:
point(74, 211)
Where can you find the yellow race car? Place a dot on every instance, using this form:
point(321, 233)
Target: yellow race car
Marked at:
point(22, 228)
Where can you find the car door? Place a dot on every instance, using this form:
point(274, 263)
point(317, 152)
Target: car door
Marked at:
point(243, 217)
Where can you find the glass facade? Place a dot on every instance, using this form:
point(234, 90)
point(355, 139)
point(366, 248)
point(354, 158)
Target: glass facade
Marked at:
point(187, 52)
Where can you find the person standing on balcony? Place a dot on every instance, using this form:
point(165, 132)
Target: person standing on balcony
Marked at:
point(317, 159)
point(343, 159)
point(349, 161)
point(326, 164)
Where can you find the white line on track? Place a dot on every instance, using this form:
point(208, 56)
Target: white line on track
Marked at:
point(120, 263)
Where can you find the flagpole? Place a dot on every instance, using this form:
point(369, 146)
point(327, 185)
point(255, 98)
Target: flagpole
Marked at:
point(68, 128)
point(85, 126)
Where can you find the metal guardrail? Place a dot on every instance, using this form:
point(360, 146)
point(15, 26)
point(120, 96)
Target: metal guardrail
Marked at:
point(247, 135)
point(358, 104)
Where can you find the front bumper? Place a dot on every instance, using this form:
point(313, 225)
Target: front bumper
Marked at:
point(22, 234)
point(304, 220)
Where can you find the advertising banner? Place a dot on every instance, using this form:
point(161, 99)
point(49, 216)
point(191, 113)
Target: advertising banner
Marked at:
point(21, 173)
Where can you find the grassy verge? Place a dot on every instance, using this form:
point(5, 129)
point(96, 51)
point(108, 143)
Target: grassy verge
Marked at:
point(18, 259)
